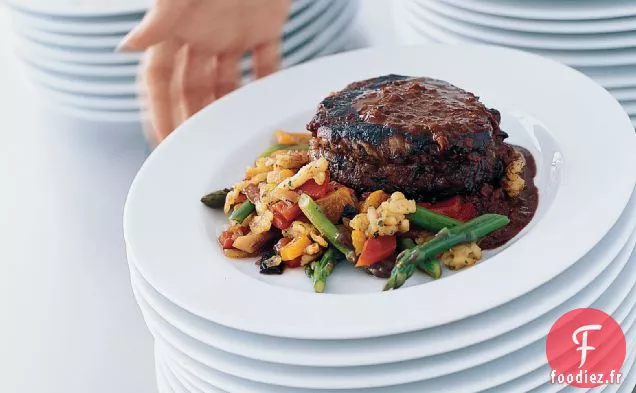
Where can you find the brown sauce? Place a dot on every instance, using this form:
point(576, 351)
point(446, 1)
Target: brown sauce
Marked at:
point(426, 105)
point(519, 210)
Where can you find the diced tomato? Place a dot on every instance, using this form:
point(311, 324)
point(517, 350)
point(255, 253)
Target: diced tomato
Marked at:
point(240, 199)
point(284, 214)
point(293, 263)
point(467, 212)
point(315, 190)
point(376, 249)
point(453, 208)
point(226, 239)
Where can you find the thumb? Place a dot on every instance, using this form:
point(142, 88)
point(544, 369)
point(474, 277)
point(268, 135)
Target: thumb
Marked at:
point(157, 25)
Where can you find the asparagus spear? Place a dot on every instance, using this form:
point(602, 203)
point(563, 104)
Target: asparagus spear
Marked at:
point(314, 213)
point(429, 220)
point(433, 267)
point(405, 243)
point(240, 214)
point(278, 147)
point(472, 230)
point(323, 268)
point(216, 199)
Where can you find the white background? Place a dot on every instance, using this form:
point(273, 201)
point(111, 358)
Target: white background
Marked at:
point(68, 320)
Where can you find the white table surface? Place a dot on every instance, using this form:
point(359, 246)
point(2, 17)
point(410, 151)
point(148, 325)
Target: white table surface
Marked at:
point(69, 323)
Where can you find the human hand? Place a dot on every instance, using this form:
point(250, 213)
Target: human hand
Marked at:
point(194, 49)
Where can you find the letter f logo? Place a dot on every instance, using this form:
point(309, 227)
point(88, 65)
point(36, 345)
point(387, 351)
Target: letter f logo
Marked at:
point(584, 348)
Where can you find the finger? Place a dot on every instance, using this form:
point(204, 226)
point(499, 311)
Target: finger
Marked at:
point(266, 59)
point(158, 76)
point(196, 82)
point(228, 74)
point(157, 25)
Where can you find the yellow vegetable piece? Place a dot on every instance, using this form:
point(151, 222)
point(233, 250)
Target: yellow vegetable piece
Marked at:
point(374, 199)
point(295, 248)
point(292, 138)
point(358, 238)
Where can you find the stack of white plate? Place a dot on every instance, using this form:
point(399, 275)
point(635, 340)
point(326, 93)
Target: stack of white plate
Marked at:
point(598, 37)
point(68, 49)
point(221, 326)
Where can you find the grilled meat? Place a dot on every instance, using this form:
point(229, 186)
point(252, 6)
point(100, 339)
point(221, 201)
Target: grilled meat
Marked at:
point(422, 136)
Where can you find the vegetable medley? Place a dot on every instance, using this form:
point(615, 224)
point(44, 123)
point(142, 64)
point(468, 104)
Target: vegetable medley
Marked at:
point(289, 212)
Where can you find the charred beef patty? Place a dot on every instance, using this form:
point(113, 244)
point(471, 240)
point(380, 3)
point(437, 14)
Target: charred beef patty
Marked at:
point(421, 136)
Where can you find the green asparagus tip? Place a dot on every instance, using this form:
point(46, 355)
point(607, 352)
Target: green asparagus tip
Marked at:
point(319, 286)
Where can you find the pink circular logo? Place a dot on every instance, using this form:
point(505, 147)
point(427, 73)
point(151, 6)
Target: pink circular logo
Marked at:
point(586, 348)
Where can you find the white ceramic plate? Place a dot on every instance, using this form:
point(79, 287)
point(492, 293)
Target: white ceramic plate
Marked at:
point(303, 18)
point(469, 381)
point(97, 103)
point(630, 107)
point(538, 380)
point(415, 32)
point(173, 383)
point(72, 55)
point(80, 8)
point(98, 42)
point(612, 77)
point(162, 383)
point(397, 373)
point(94, 115)
point(24, 21)
point(624, 94)
point(530, 25)
point(84, 85)
point(82, 70)
point(570, 287)
point(551, 10)
point(497, 36)
point(189, 268)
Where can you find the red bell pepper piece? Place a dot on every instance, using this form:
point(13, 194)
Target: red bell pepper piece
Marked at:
point(453, 207)
point(226, 239)
point(293, 263)
point(315, 190)
point(376, 249)
point(284, 214)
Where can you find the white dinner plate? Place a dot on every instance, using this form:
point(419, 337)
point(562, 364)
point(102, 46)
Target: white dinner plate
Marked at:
point(187, 267)
point(72, 55)
point(94, 115)
point(187, 382)
point(612, 77)
point(88, 9)
point(397, 373)
point(24, 21)
point(98, 42)
point(544, 41)
point(108, 42)
point(75, 69)
point(162, 383)
point(173, 383)
point(624, 94)
point(530, 25)
point(83, 85)
point(550, 9)
point(630, 107)
point(570, 287)
point(98, 103)
point(468, 381)
point(538, 380)
point(415, 32)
